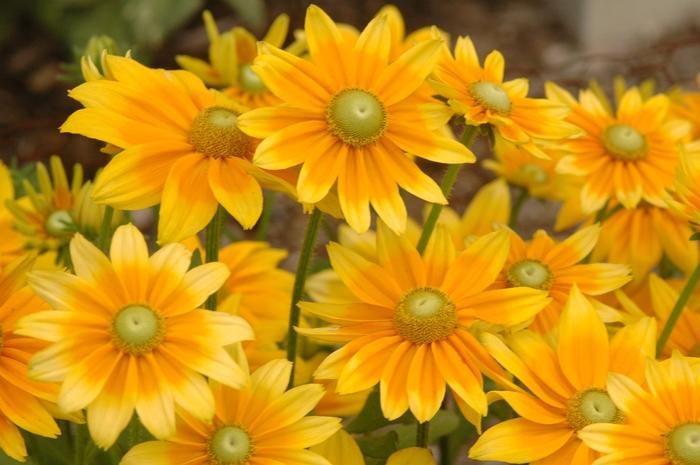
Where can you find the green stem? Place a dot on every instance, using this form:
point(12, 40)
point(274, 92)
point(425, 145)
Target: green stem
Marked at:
point(677, 309)
point(517, 206)
point(298, 290)
point(264, 222)
point(105, 228)
point(448, 181)
point(211, 248)
point(422, 434)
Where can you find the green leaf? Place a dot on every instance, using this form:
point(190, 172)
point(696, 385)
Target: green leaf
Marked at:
point(379, 447)
point(442, 424)
point(695, 236)
point(370, 417)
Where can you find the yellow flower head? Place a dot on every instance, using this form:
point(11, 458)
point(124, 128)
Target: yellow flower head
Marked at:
point(182, 147)
point(686, 197)
point(662, 419)
point(628, 156)
point(687, 106)
point(412, 456)
point(231, 56)
point(12, 244)
point(22, 400)
point(349, 115)
point(480, 94)
point(556, 267)
point(408, 325)
point(128, 334)
point(565, 389)
point(259, 424)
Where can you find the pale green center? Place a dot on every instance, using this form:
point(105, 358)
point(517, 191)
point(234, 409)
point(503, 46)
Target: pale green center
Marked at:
point(529, 174)
point(214, 133)
point(356, 117)
point(425, 315)
point(625, 142)
point(59, 223)
point(230, 445)
point(137, 329)
point(491, 96)
point(589, 407)
point(529, 273)
point(683, 444)
point(249, 80)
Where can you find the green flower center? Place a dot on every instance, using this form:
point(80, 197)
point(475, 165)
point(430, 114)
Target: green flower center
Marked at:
point(624, 142)
point(491, 96)
point(59, 223)
point(137, 329)
point(249, 80)
point(230, 445)
point(356, 117)
point(529, 174)
point(425, 315)
point(589, 407)
point(683, 444)
point(214, 133)
point(529, 273)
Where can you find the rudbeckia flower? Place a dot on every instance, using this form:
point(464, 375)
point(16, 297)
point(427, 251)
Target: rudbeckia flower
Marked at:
point(407, 327)
point(564, 389)
point(260, 424)
point(349, 115)
point(662, 417)
point(127, 334)
point(182, 146)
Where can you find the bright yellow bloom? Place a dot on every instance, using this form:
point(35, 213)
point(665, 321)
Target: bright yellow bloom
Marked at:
point(231, 56)
point(687, 106)
point(556, 268)
point(257, 425)
point(22, 400)
point(400, 41)
point(480, 94)
point(348, 116)
point(407, 327)
point(657, 231)
point(662, 420)
point(128, 334)
point(687, 184)
point(628, 156)
point(565, 389)
point(182, 147)
point(12, 244)
point(340, 448)
point(412, 456)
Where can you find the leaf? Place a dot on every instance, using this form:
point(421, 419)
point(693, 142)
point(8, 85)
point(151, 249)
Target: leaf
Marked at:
point(695, 236)
point(370, 417)
point(379, 447)
point(442, 424)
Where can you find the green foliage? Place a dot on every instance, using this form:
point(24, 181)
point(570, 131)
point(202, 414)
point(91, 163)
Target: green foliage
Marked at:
point(251, 12)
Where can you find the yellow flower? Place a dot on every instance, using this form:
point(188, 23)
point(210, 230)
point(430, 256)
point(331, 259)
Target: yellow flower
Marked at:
point(687, 106)
point(685, 336)
point(400, 41)
point(12, 244)
point(128, 334)
point(22, 400)
point(231, 56)
point(412, 456)
point(480, 94)
point(662, 420)
point(556, 268)
point(628, 156)
point(259, 424)
point(565, 389)
point(349, 115)
point(181, 147)
point(340, 448)
point(408, 325)
point(686, 196)
point(657, 231)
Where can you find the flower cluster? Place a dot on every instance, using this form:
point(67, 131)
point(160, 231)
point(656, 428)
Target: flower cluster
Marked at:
point(416, 340)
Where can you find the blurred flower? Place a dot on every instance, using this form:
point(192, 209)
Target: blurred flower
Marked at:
point(407, 328)
point(349, 115)
point(12, 244)
point(628, 156)
point(128, 334)
point(258, 424)
point(480, 95)
point(412, 456)
point(686, 196)
point(564, 390)
point(182, 146)
point(340, 449)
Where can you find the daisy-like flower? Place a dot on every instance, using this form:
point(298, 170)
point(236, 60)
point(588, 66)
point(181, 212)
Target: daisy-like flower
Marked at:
point(258, 425)
point(182, 146)
point(412, 456)
point(556, 268)
point(662, 419)
point(400, 41)
point(482, 97)
point(407, 327)
point(565, 388)
point(128, 334)
point(22, 400)
point(686, 195)
point(628, 156)
point(12, 244)
point(349, 115)
point(658, 231)
point(231, 56)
